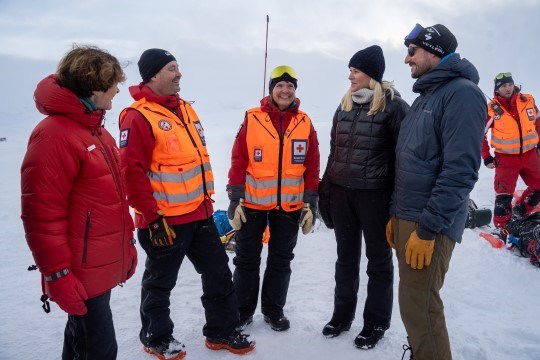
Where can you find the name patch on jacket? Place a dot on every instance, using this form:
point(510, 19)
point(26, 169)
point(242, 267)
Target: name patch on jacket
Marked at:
point(164, 125)
point(299, 151)
point(530, 113)
point(124, 137)
point(200, 130)
point(257, 155)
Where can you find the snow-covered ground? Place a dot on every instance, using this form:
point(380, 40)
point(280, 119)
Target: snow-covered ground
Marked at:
point(491, 296)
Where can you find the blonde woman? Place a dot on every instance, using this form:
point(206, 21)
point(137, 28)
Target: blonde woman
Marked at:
point(354, 194)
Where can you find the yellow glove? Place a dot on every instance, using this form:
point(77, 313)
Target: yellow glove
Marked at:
point(418, 252)
point(306, 219)
point(390, 233)
point(161, 234)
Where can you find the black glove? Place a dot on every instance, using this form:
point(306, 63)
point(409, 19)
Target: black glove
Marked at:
point(490, 160)
point(324, 203)
point(161, 234)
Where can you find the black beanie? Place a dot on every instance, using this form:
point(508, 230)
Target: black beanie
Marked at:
point(370, 61)
point(436, 39)
point(152, 61)
point(505, 78)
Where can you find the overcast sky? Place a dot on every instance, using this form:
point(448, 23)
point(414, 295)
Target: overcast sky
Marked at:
point(220, 44)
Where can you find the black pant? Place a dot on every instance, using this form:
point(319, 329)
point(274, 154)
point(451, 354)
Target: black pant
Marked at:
point(199, 241)
point(91, 336)
point(283, 235)
point(356, 213)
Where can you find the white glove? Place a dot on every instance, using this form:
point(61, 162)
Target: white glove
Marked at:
point(306, 219)
point(236, 214)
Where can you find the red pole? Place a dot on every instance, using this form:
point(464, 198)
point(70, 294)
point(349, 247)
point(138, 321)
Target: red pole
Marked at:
point(265, 56)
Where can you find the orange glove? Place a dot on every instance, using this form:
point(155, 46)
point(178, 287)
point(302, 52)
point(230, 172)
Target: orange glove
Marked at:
point(390, 233)
point(418, 252)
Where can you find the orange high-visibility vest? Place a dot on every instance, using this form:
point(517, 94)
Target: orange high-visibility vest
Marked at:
point(275, 172)
point(180, 173)
point(509, 136)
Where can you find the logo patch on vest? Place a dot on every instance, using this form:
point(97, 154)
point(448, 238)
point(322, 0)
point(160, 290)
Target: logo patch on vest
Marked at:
point(530, 113)
point(257, 155)
point(299, 151)
point(164, 125)
point(200, 131)
point(124, 137)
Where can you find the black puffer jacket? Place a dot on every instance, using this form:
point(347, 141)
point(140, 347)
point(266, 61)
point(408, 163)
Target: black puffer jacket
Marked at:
point(362, 147)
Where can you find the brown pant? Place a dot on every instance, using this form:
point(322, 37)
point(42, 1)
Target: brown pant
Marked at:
point(420, 304)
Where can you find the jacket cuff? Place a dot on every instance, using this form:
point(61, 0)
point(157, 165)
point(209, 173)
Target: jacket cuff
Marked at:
point(425, 234)
point(311, 197)
point(236, 192)
point(488, 160)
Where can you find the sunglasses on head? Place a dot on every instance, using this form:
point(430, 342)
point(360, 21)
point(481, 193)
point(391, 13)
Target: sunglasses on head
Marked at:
point(281, 70)
point(500, 76)
point(411, 50)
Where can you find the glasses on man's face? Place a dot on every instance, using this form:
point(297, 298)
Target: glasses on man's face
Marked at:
point(411, 50)
point(500, 76)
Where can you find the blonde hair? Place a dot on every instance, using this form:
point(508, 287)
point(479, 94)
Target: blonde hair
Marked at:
point(378, 103)
point(86, 69)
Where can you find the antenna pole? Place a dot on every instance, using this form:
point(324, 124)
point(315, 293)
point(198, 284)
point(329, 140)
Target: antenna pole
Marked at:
point(265, 56)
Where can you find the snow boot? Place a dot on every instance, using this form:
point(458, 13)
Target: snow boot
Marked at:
point(335, 328)
point(167, 349)
point(368, 338)
point(235, 342)
point(280, 323)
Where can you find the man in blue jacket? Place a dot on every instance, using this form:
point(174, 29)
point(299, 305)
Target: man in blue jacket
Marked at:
point(437, 162)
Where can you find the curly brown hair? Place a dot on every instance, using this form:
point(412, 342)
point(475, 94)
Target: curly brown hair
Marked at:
point(86, 68)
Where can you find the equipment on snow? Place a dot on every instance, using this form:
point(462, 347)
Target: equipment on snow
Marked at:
point(477, 217)
point(226, 233)
point(495, 241)
point(525, 237)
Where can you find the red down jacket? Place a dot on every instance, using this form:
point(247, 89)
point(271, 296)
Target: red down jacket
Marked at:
point(74, 206)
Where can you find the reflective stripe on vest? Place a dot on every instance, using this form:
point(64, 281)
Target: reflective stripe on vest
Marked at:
point(510, 137)
point(180, 172)
point(263, 178)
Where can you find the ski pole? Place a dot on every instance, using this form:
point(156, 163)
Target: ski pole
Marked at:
point(265, 56)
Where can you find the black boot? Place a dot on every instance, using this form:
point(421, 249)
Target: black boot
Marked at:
point(235, 342)
point(167, 348)
point(279, 323)
point(368, 338)
point(334, 328)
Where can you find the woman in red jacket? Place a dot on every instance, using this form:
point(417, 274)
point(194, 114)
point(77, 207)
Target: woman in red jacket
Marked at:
point(74, 209)
point(273, 179)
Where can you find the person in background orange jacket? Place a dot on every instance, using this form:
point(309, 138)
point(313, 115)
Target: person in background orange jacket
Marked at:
point(169, 184)
point(273, 180)
point(512, 118)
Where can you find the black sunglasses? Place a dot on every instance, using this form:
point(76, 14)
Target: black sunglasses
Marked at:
point(411, 50)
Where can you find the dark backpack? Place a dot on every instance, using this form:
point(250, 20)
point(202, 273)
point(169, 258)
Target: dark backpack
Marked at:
point(525, 236)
